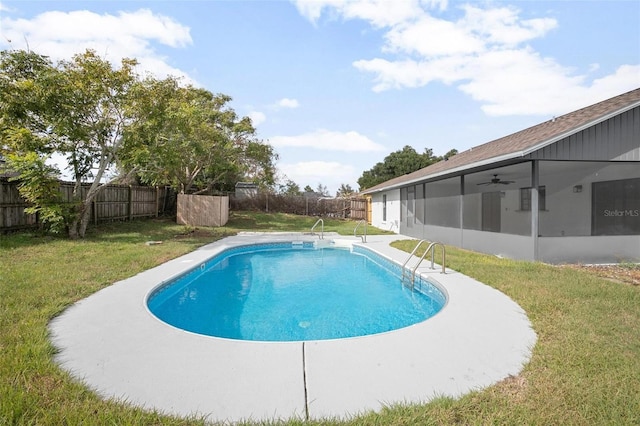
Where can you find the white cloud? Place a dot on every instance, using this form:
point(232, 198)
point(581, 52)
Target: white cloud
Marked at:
point(287, 103)
point(431, 37)
point(60, 35)
point(328, 173)
point(618, 82)
point(257, 117)
point(484, 52)
point(441, 5)
point(503, 26)
point(327, 140)
point(379, 13)
point(411, 73)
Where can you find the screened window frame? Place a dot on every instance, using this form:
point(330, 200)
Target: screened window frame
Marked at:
point(384, 207)
point(525, 198)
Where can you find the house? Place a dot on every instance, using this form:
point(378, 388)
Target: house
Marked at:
point(565, 190)
point(246, 190)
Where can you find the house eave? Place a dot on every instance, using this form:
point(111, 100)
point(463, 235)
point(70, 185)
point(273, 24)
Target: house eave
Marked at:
point(454, 171)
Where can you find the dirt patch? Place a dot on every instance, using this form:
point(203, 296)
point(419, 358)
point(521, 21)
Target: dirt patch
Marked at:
point(196, 233)
point(627, 274)
point(514, 387)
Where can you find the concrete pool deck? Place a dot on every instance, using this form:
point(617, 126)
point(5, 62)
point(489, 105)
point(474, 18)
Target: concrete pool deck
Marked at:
point(112, 343)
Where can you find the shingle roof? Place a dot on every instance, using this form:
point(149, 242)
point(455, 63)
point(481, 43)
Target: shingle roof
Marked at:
point(520, 143)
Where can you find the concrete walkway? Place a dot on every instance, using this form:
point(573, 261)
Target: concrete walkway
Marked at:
point(112, 343)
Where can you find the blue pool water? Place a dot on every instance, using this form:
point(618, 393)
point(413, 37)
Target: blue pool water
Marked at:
point(285, 292)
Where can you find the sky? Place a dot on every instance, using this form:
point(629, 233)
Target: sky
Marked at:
point(335, 85)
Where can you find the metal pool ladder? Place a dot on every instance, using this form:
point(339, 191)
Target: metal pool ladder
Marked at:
point(430, 248)
point(363, 236)
point(321, 222)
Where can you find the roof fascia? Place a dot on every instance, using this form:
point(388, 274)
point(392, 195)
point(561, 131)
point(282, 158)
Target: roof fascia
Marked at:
point(454, 171)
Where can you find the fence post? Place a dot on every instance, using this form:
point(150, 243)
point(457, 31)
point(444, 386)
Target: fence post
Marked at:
point(157, 200)
point(130, 203)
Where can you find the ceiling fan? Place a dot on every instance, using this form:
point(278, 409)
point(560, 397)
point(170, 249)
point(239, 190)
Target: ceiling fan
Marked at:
point(497, 181)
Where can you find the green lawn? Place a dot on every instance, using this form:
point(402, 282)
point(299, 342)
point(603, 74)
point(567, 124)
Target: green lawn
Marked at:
point(585, 368)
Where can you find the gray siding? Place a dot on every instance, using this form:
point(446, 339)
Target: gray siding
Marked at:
point(616, 139)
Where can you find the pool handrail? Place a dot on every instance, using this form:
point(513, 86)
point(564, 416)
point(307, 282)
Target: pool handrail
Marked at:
point(431, 249)
point(321, 222)
point(364, 236)
point(415, 249)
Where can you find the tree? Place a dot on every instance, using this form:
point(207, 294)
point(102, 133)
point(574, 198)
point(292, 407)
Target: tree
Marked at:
point(322, 190)
point(38, 185)
point(97, 117)
point(450, 154)
point(289, 188)
point(25, 108)
point(189, 138)
point(396, 164)
point(76, 108)
point(345, 191)
point(308, 188)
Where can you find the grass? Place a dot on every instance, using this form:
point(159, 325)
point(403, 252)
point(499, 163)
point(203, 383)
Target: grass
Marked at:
point(254, 221)
point(585, 367)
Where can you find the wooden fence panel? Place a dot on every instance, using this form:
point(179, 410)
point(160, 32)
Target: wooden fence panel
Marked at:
point(114, 202)
point(202, 210)
point(12, 205)
point(359, 208)
point(145, 201)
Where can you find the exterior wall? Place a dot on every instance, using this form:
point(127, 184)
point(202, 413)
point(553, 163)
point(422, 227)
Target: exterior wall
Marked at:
point(605, 249)
point(505, 245)
point(450, 236)
point(569, 211)
point(505, 215)
point(243, 192)
point(392, 222)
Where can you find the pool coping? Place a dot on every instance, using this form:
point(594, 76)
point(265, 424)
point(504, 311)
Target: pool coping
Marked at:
point(112, 343)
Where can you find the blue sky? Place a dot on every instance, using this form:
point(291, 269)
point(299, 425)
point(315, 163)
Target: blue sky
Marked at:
point(337, 85)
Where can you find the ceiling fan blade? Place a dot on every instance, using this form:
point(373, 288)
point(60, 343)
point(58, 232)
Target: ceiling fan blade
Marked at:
point(496, 181)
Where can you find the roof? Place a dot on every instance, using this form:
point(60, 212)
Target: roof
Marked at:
point(521, 143)
point(249, 185)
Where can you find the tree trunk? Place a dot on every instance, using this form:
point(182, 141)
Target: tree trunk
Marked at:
point(76, 229)
point(80, 223)
point(84, 219)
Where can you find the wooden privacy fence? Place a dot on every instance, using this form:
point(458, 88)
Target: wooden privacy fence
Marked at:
point(359, 208)
point(114, 202)
point(202, 210)
point(12, 205)
point(347, 208)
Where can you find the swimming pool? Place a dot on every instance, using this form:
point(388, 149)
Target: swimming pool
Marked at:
point(112, 342)
point(293, 292)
